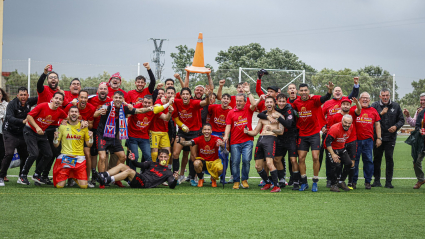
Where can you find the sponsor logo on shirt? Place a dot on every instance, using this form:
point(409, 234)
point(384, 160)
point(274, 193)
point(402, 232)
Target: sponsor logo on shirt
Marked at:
point(241, 122)
point(144, 123)
point(335, 109)
point(364, 119)
point(207, 150)
point(304, 113)
point(221, 120)
point(47, 121)
point(184, 115)
point(73, 137)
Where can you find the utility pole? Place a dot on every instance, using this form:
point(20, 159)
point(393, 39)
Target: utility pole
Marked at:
point(157, 57)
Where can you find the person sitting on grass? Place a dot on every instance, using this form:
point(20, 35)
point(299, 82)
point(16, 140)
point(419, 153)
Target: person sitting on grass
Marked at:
point(154, 173)
point(206, 154)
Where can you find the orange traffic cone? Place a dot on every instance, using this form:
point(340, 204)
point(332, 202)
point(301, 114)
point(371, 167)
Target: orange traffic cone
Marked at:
point(198, 65)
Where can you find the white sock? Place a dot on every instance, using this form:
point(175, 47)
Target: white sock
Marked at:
point(112, 179)
point(340, 181)
point(107, 173)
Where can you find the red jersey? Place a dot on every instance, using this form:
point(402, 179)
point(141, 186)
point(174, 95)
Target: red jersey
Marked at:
point(337, 118)
point(112, 91)
point(86, 113)
point(188, 114)
point(340, 136)
point(307, 122)
point(261, 106)
point(207, 150)
point(233, 101)
point(44, 116)
point(365, 123)
point(69, 96)
point(238, 119)
point(138, 124)
point(217, 117)
point(160, 125)
point(135, 97)
point(97, 103)
point(47, 95)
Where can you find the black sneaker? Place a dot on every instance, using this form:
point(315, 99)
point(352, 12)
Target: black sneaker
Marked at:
point(282, 185)
point(23, 180)
point(389, 185)
point(376, 184)
point(38, 179)
point(291, 182)
point(296, 187)
point(367, 186)
point(343, 186)
point(94, 175)
point(328, 183)
point(354, 185)
point(101, 179)
point(47, 180)
point(334, 188)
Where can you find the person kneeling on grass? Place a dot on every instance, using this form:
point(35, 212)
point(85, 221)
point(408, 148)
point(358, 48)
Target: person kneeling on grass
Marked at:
point(155, 173)
point(205, 152)
point(71, 162)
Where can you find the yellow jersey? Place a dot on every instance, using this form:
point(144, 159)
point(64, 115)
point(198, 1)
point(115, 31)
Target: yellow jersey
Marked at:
point(72, 138)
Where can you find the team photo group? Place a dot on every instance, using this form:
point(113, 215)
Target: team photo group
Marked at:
point(94, 139)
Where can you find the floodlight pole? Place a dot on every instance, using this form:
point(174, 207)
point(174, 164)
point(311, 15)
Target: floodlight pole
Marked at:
point(303, 76)
point(240, 74)
point(393, 87)
point(29, 77)
point(157, 56)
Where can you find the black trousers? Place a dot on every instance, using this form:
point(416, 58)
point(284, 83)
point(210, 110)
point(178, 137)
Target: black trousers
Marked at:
point(36, 144)
point(387, 147)
point(336, 167)
point(11, 142)
point(50, 132)
point(322, 154)
point(2, 150)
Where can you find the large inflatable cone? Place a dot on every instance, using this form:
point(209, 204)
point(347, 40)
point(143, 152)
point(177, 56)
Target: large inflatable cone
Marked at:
point(198, 65)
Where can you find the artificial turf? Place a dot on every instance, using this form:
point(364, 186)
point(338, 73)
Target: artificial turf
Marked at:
point(191, 212)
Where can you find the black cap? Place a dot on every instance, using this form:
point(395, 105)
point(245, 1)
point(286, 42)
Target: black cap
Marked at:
point(273, 88)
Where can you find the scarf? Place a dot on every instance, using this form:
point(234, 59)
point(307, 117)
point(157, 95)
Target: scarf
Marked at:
point(110, 124)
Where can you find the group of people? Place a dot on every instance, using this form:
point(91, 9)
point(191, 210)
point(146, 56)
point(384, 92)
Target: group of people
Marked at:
point(75, 132)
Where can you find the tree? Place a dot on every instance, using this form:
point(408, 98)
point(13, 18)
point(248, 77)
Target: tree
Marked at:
point(411, 101)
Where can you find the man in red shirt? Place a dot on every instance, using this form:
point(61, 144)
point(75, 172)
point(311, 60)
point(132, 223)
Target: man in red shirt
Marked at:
point(205, 149)
point(136, 96)
point(74, 88)
point(366, 122)
point(309, 131)
point(45, 92)
point(114, 86)
point(336, 152)
point(34, 134)
point(239, 90)
point(240, 143)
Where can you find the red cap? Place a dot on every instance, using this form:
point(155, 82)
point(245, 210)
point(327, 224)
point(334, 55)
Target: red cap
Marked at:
point(345, 99)
point(116, 75)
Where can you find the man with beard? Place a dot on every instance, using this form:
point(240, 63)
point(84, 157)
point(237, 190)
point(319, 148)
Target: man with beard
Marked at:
point(205, 151)
point(38, 120)
point(336, 152)
point(265, 149)
point(114, 86)
point(70, 163)
point(330, 108)
point(309, 131)
point(239, 90)
point(113, 127)
point(74, 89)
point(136, 96)
point(286, 143)
point(13, 126)
point(85, 113)
point(98, 100)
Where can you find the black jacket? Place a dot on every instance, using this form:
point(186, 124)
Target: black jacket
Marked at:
point(394, 116)
point(289, 121)
point(16, 113)
point(154, 174)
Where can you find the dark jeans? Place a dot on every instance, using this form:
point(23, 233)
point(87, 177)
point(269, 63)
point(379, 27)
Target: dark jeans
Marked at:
point(36, 144)
point(322, 154)
point(388, 148)
point(50, 132)
point(1, 149)
point(336, 167)
point(11, 142)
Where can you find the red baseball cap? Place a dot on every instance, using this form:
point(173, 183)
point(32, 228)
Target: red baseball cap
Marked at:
point(116, 75)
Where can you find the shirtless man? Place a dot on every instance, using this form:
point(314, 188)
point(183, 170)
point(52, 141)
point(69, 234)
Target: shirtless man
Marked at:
point(266, 145)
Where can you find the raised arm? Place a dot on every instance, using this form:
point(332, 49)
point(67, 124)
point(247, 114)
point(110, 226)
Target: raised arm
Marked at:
point(356, 88)
point(210, 81)
point(152, 83)
point(220, 89)
point(358, 106)
point(328, 95)
point(208, 93)
point(40, 82)
point(177, 76)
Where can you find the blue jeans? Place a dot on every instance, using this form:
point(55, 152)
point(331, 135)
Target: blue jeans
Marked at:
point(145, 147)
point(364, 148)
point(238, 150)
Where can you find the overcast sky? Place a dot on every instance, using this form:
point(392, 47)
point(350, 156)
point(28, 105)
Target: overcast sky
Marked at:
point(331, 34)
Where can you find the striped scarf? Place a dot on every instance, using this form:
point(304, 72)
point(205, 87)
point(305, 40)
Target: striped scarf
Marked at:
point(110, 124)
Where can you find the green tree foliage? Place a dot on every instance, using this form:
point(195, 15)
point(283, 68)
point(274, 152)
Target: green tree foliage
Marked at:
point(411, 101)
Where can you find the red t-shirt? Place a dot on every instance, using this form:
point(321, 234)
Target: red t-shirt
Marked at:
point(47, 95)
point(340, 136)
point(217, 117)
point(188, 114)
point(365, 123)
point(336, 118)
point(69, 96)
point(44, 116)
point(138, 124)
point(134, 97)
point(207, 150)
point(307, 122)
point(86, 113)
point(97, 104)
point(112, 91)
point(160, 125)
point(238, 119)
point(233, 101)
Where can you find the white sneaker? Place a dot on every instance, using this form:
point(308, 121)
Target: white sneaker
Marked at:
point(196, 178)
point(1, 182)
point(180, 180)
point(231, 179)
point(90, 184)
point(165, 184)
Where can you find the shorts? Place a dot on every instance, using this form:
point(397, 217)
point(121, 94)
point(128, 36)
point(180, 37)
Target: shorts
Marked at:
point(159, 140)
point(286, 145)
point(266, 147)
point(213, 167)
point(93, 148)
point(351, 149)
point(62, 172)
point(111, 144)
point(188, 137)
point(304, 143)
point(218, 134)
point(137, 181)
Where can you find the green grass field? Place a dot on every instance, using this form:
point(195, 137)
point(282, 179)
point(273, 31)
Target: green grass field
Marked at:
point(189, 212)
